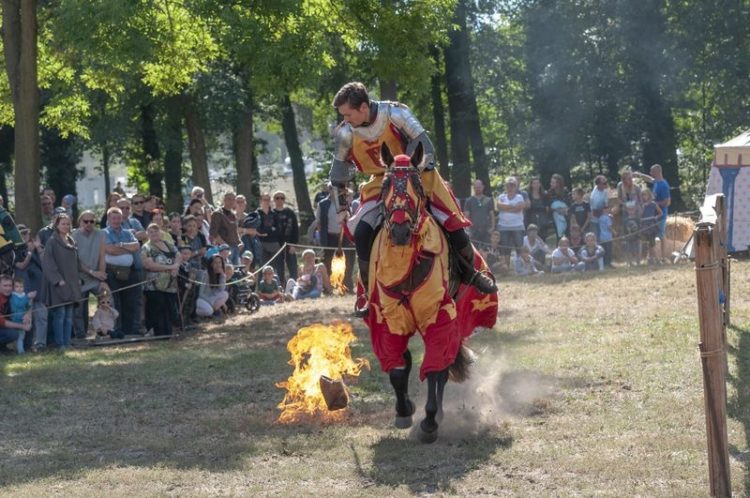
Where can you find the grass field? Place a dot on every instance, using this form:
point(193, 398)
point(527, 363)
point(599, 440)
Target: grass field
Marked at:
point(589, 385)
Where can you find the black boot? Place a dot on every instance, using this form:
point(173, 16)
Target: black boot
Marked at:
point(484, 282)
point(362, 309)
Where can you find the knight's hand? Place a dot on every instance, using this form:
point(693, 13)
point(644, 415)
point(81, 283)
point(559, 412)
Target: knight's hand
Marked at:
point(427, 166)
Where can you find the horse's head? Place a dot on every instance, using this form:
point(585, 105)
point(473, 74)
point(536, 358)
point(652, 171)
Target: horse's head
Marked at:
point(404, 206)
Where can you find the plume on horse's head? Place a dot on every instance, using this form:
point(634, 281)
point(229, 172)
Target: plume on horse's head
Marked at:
point(403, 198)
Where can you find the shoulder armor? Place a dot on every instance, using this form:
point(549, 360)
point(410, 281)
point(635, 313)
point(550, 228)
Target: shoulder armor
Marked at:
point(404, 120)
point(342, 139)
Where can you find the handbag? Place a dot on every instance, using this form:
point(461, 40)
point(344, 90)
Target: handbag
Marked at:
point(121, 273)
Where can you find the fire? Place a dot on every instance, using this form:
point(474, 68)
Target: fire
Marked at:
point(317, 350)
point(338, 267)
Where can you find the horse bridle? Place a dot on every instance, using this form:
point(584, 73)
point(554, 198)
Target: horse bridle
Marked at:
point(401, 189)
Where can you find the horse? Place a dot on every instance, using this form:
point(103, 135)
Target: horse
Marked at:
point(411, 290)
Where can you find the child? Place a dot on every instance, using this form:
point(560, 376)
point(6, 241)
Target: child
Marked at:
point(564, 259)
point(605, 235)
point(631, 224)
point(576, 237)
point(186, 287)
point(525, 265)
point(580, 210)
point(592, 254)
point(269, 289)
point(536, 246)
point(250, 240)
point(493, 255)
point(20, 303)
point(105, 316)
point(650, 216)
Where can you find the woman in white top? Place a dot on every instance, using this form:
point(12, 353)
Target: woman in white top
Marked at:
point(510, 207)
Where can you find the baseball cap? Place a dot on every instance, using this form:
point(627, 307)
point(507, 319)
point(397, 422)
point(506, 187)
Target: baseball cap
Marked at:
point(252, 220)
point(247, 255)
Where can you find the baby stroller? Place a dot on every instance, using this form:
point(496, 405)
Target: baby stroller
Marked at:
point(241, 289)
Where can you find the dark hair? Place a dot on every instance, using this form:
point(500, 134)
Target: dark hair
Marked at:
point(213, 277)
point(354, 94)
point(196, 201)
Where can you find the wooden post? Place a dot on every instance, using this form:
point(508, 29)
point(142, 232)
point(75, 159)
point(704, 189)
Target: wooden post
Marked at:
point(712, 346)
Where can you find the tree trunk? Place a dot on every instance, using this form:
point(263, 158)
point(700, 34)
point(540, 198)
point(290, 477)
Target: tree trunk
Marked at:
point(6, 160)
point(106, 159)
point(438, 115)
point(243, 149)
point(20, 48)
point(288, 123)
point(152, 170)
point(197, 147)
point(388, 90)
point(461, 38)
point(459, 118)
point(661, 144)
point(173, 154)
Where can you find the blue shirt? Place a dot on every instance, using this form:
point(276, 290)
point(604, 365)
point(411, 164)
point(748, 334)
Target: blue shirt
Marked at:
point(605, 228)
point(114, 237)
point(661, 193)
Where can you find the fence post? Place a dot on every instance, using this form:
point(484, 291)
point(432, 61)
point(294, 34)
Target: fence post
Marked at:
point(709, 283)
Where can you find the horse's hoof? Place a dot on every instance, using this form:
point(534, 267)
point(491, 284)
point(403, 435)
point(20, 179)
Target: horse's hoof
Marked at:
point(406, 421)
point(427, 434)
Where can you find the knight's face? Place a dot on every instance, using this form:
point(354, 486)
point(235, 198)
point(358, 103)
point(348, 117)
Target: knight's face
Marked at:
point(355, 116)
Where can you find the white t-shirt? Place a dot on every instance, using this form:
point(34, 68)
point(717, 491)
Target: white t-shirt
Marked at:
point(507, 220)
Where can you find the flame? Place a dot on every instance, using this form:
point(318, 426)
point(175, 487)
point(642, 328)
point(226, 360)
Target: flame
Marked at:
point(317, 350)
point(338, 268)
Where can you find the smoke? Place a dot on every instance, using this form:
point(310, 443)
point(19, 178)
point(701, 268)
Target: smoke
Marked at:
point(482, 405)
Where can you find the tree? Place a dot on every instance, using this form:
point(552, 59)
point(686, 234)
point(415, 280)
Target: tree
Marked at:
point(20, 51)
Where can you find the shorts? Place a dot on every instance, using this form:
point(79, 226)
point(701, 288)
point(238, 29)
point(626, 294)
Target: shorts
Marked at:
point(662, 228)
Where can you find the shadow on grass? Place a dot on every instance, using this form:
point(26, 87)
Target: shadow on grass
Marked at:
point(739, 406)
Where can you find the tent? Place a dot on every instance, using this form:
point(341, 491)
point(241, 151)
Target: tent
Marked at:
point(730, 175)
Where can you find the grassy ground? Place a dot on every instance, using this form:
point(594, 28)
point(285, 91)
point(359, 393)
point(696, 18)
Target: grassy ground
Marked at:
point(587, 386)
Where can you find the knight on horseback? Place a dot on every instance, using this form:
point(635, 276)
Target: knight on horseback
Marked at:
point(366, 126)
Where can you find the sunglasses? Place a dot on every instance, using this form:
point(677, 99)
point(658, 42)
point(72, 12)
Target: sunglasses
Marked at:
point(136, 203)
point(279, 198)
point(87, 221)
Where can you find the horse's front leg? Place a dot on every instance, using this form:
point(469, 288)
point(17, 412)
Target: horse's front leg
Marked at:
point(400, 382)
point(435, 385)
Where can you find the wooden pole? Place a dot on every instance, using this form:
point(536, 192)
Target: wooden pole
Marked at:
point(713, 355)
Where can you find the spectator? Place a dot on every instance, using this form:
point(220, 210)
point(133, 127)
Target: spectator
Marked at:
point(49, 192)
point(118, 190)
point(9, 331)
point(269, 233)
point(558, 200)
point(46, 232)
point(20, 304)
point(325, 191)
point(61, 288)
point(140, 212)
point(576, 238)
point(129, 222)
point(195, 208)
point(157, 216)
point(30, 270)
point(224, 227)
point(536, 246)
point(121, 247)
point(186, 286)
point(111, 202)
point(493, 254)
point(525, 265)
point(250, 240)
point(212, 296)
point(240, 207)
point(629, 204)
point(580, 210)
point(309, 283)
point(47, 209)
point(510, 206)
point(90, 242)
point(288, 230)
point(68, 203)
point(480, 211)
point(599, 199)
point(175, 227)
point(269, 290)
point(536, 214)
point(663, 199)
point(650, 216)
point(605, 237)
point(195, 240)
point(331, 232)
point(564, 259)
point(591, 254)
point(162, 263)
point(199, 194)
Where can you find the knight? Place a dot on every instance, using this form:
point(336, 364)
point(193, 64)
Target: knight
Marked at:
point(367, 124)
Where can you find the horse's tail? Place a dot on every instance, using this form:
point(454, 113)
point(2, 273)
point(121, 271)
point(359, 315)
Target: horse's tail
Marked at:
point(459, 370)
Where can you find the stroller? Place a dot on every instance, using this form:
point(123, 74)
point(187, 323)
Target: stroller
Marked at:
point(241, 289)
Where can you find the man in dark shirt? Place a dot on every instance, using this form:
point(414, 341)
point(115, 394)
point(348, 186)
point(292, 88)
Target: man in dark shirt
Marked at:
point(580, 211)
point(480, 210)
point(138, 212)
point(224, 227)
point(288, 233)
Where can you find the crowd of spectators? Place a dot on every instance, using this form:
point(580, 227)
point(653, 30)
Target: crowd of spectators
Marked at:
point(529, 230)
point(151, 270)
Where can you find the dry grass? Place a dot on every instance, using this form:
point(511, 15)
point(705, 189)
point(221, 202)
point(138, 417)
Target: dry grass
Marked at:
point(587, 386)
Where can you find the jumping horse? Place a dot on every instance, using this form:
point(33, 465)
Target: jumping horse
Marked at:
point(411, 290)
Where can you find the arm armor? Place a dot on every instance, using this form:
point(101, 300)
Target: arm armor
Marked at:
point(341, 167)
point(405, 121)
